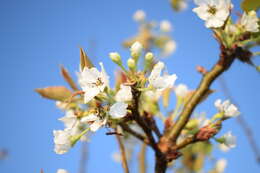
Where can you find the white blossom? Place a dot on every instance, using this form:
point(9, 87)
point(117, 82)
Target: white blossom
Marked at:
point(139, 16)
point(62, 171)
point(227, 108)
point(153, 95)
point(165, 26)
point(169, 48)
point(182, 5)
point(136, 49)
point(69, 119)
point(118, 110)
point(229, 140)
point(115, 56)
point(62, 141)
point(181, 90)
point(124, 94)
point(214, 12)
point(93, 82)
point(61, 105)
point(250, 21)
point(94, 121)
point(223, 147)
point(221, 165)
point(161, 82)
point(231, 29)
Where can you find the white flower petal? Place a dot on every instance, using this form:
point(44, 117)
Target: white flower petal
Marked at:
point(118, 110)
point(62, 141)
point(221, 165)
point(181, 90)
point(124, 94)
point(89, 118)
point(62, 171)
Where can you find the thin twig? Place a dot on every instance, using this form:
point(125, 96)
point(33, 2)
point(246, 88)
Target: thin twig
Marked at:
point(126, 128)
point(241, 121)
point(83, 158)
point(142, 158)
point(123, 154)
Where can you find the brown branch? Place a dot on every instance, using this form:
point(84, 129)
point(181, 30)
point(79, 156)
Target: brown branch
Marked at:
point(149, 119)
point(83, 158)
point(142, 159)
point(140, 121)
point(226, 59)
point(241, 121)
point(123, 154)
point(126, 128)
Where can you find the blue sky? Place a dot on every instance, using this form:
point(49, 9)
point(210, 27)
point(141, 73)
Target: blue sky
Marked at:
point(39, 35)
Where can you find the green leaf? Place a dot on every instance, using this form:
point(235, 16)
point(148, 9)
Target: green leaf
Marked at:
point(248, 5)
point(59, 93)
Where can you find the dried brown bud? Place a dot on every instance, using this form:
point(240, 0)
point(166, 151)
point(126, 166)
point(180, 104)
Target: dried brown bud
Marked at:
point(201, 70)
point(205, 133)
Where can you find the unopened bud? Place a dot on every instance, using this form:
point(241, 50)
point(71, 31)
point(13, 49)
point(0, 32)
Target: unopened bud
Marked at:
point(131, 63)
point(201, 70)
point(258, 68)
point(136, 49)
point(139, 16)
point(149, 56)
point(115, 57)
point(165, 26)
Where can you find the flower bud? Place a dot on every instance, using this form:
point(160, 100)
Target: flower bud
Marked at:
point(115, 57)
point(258, 68)
point(165, 26)
point(139, 16)
point(131, 63)
point(136, 49)
point(149, 56)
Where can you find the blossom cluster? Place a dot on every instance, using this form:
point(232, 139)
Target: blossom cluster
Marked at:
point(143, 87)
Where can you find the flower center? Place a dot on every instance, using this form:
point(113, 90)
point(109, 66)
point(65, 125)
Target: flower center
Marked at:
point(99, 82)
point(212, 10)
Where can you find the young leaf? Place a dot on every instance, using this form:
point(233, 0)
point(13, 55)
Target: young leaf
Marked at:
point(84, 60)
point(68, 78)
point(248, 5)
point(59, 93)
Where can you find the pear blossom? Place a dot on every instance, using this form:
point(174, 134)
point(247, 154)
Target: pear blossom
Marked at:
point(62, 141)
point(250, 21)
point(214, 12)
point(223, 147)
point(229, 140)
point(161, 82)
point(169, 48)
point(61, 105)
point(115, 57)
point(153, 95)
point(69, 119)
point(182, 5)
point(94, 121)
point(221, 165)
point(118, 110)
point(131, 63)
point(165, 26)
point(139, 16)
point(93, 82)
point(181, 90)
point(228, 109)
point(62, 171)
point(136, 48)
point(231, 29)
point(124, 94)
